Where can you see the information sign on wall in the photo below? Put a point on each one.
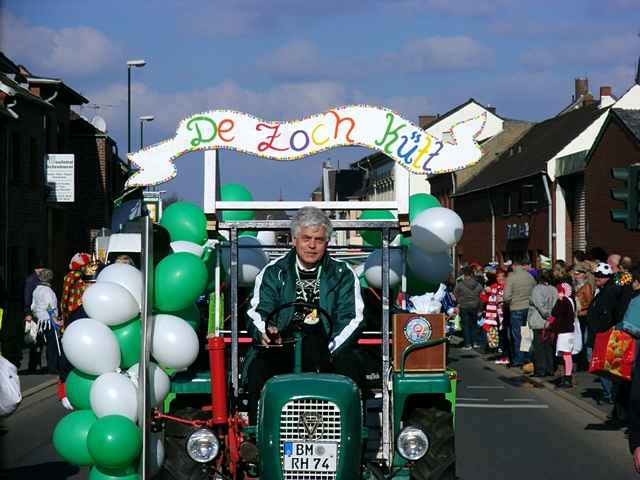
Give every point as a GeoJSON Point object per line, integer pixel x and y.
{"type": "Point", "coordinates": [60, 177]}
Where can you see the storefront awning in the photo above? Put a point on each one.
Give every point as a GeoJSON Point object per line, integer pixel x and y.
{"type": "Point", "coordinates": [572, 163]}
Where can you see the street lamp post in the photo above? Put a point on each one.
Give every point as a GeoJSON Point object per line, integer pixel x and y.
{"type": "Point", "coordinates": [144, 118]}
{"type": "Point", "coordinates": [130, 64]}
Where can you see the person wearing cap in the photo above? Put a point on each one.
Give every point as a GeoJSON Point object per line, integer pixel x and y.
{"type": "Point", "coordinates": [516, 294]}
{"type": "Point", "coordinates": [583, 296]}
{"type": "Point", "coordinates": [73, 285]}
{"type": "Point", "coordinates": [606, 310]}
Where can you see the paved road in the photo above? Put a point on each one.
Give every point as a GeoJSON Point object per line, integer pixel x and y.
{"type": "Point", "coordinates": [505, 430]}
{"type": "Point", "coordinates": [510, 430]}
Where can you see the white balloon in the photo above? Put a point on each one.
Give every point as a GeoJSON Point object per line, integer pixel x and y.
{"type": "Point", "coordinates": [158, 380]}
{"type": "Point", "coordinates": [91, 347]}
{"type": "Point", "coordinates": [175, 343]}
{"type": "Point", "coordinates": [114, 394]}
{"type": "Point", "coordinates": [126, 276]}
{"type": "Point", "coordinates": [267, 237]}
{"type": "Point", "coordinates": [109, 303]}
{"type": "Point", "coordinates": [250, 260]}
{"type": "Point", "coordinates": [373, 268]}
{"type": "Point", "coordinates": [436, 229]}
{"type": "Point", "coordinates": [189, 247]}
{"type": "Point", "coordinates": [431, 268]}
{"type": "Point", "coordinates": [156, 459]}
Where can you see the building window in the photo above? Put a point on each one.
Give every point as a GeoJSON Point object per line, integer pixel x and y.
{"type": "Point", "coordinates": [507, 204]}
{"type": "Point", "coordinates": [34, 162]}
{"type": "Point", "coordinates": [16, 158]}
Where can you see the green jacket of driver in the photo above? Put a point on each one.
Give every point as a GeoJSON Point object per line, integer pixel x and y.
{"type": "Point", "coordinates": [340, 296]}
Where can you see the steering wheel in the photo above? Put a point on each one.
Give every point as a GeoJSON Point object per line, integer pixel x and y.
{"type": "Point", "coordinates": [295, 325]}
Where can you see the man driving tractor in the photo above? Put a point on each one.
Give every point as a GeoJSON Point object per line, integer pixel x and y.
{"type": "Point", "coordinates": [327, 310]}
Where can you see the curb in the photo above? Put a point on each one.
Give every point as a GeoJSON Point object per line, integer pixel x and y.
{"type": "Point", "coordinates": [583, 405]}
{"type": "Point", "coordinates": [38, 388]}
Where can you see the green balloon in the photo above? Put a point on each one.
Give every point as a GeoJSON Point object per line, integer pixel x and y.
{"type": "Point", "coordinates": [70, 437]}
{"type": "Point", "coordinates": [185, 221]}
{"type": "Point", "coordinates": [373, 237]}
{"type": "Point", "coordinates": [179, 280]}
{"type": "Point", "coordinates": [128, 336]}
{"type": "Point", "coordinates": [234, 192]}
{"type": "Point", "coordinates": [98, 473]}
{"type": "Point", "coordinates": [78, 388]}
{"type": "Point", "coordinates": [419, 202]}
{"type": "Point", "coordinates": [114, 442]}
{"type": "Point", "coordinates": [248, 233]}
{"type": "Point", "coordinates": [191, 315]}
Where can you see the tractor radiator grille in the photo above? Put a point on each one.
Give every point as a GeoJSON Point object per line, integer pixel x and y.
{"type": "Point", "coordinates": [292, 429]}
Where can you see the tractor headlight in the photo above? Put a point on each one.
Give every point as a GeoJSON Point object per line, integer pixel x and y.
{"type": "Point", "coordinates": [202, 446]}
{"type": "Point", "coordinates": [412, 443]}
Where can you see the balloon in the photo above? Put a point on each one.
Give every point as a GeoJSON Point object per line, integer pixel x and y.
{"type": "Point", "coordinates": [432, 268]}
{"type": "Point", "coordinates": [78, 386]}
{"type": "Point", "coordinates": [156, 444]}
{"type": "Point", "coordinates": [159, 381]}
{"type": "Point", "coordinates": [436, 230]}
{"type": "Point", "coordinates": [267, 237]}
{"type": "Point", "coordinates": [114, 394]}
{"type": "Point", "coordinates": [97, 473]}
{"type": "Point", "coordinates": [250, 260]}
{"type": "Point", "coordinates": [128, 336]}
{"type": "Point", "coordinates": [114, 441]}
{"type": "Point", "coordinates": [191, 315]}
{"type": "Point", "coordinates": [126, 276]}
{"type": "Point", "coordinates": [185, 221]}
{"type": "Point", "coordinates": [70, 437]}
{"type": "Point", "coordinates": [374, 237]}
{"type": "Point", "coordinates": [179, 280]}
{"type": "Point", "coordinates": [416, 286]}
{"type": "Point", "coordinates": [109, 303]}
{"type": "Point", "coordinates": [175, 344]}
{"type": "Point", "coordinates": [91, 347]}
{"type": "Point", "coordinates": [373, 268]}
{"type": "Point", "coordinates": [419, 202]}
{"type": "Point", "coordinates": [234, 192]}
{"type": "Point", "coordinates": [188, 247]}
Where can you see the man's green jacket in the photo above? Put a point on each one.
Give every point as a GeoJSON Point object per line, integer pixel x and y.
{"type": "Point", "coordinates": [339, 295]}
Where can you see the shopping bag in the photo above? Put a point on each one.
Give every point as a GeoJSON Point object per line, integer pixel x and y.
{"type": "Point", "coordinates": [526, 338]}
{"type": "Point", "coordinates": [30, 332]}
{"type": "Point", "coordinates": [577, 343]}
{"type": "Point", "coordinates": [493, 338]}
{"type": "Point", "coordinates": [10, 394]}
{"type": "Point", "coordinates": [631, 321]}
{"type": "Point", "coordinates": [613, 354]}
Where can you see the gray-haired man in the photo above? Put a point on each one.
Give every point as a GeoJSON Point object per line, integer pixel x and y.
{"type": "Point", "coordinates": [305, 274]}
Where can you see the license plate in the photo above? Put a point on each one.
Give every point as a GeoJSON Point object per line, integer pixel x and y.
{"type": "Point", "coordinates": [310, 456]}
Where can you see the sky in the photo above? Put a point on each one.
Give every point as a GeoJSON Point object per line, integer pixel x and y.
{"type": "Point", "coordinates": [285, 59]}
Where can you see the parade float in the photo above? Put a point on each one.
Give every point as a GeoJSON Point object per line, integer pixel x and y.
{"type": "Point", "coordinates": [157, 386]}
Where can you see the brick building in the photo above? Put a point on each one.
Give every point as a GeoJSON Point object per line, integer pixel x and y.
{"type": "Point", "coordinates": [35, 121]}
{"type": "Point", "coordinates": [548, 193]}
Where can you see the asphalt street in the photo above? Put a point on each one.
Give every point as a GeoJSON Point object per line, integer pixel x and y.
{"type": "Point", "coordinates": [506, 429]}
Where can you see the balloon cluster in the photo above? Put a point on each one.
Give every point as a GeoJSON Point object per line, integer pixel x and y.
{"type": "Point", "coordinates": [104, 350]}
{"type": "Point", "coordinates": [434, 230]}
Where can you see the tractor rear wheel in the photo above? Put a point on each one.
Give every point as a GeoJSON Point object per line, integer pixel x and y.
{"type": "Point", "coordinates": [440, 461]}
{"type": "Point", "coordinates": [177, 464]}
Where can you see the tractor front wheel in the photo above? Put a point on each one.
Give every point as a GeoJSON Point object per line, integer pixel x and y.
{"type": "Point", "coordinates": [440, 461]}
{"type": "Point", "coordinates": [177, 464]}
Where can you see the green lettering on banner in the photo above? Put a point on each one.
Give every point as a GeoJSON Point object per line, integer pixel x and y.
{"type": "Point", "coordinates": [199, 138]}
{"type": "Point", "coordinates": [389, 133]}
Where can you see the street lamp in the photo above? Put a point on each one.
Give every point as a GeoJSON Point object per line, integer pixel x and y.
{"type": "Point", "coordinates": [144, 118]}
{"type": "Point", "coordinates": [131, 64]}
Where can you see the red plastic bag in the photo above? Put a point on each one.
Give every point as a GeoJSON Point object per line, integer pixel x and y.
{"type": "Point", "coordinates": [613, 354]}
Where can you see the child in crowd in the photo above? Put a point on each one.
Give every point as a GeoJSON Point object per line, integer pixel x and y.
{"type": "Point", "coordinates": [563, 324]}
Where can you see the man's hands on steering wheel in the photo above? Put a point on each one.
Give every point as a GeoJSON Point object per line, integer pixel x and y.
{"type": "Point", "coordinates": [273, 337]}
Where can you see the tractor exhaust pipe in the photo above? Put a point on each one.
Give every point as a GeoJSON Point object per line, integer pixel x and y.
{"type": "Point", "coordinates": [215, 345]}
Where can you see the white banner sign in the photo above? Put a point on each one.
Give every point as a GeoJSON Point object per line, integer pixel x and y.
{"type": "Point", "coordinates": [60, 177]}
{"type": "Point", "coordinates": [357, 125]}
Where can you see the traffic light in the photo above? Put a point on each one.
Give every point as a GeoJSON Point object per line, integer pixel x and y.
{"type": "Point", "coordinates": [628, 194]}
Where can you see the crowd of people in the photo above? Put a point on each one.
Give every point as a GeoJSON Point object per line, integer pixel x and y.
{"type": "Point", "coordinates": [548, 319]}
